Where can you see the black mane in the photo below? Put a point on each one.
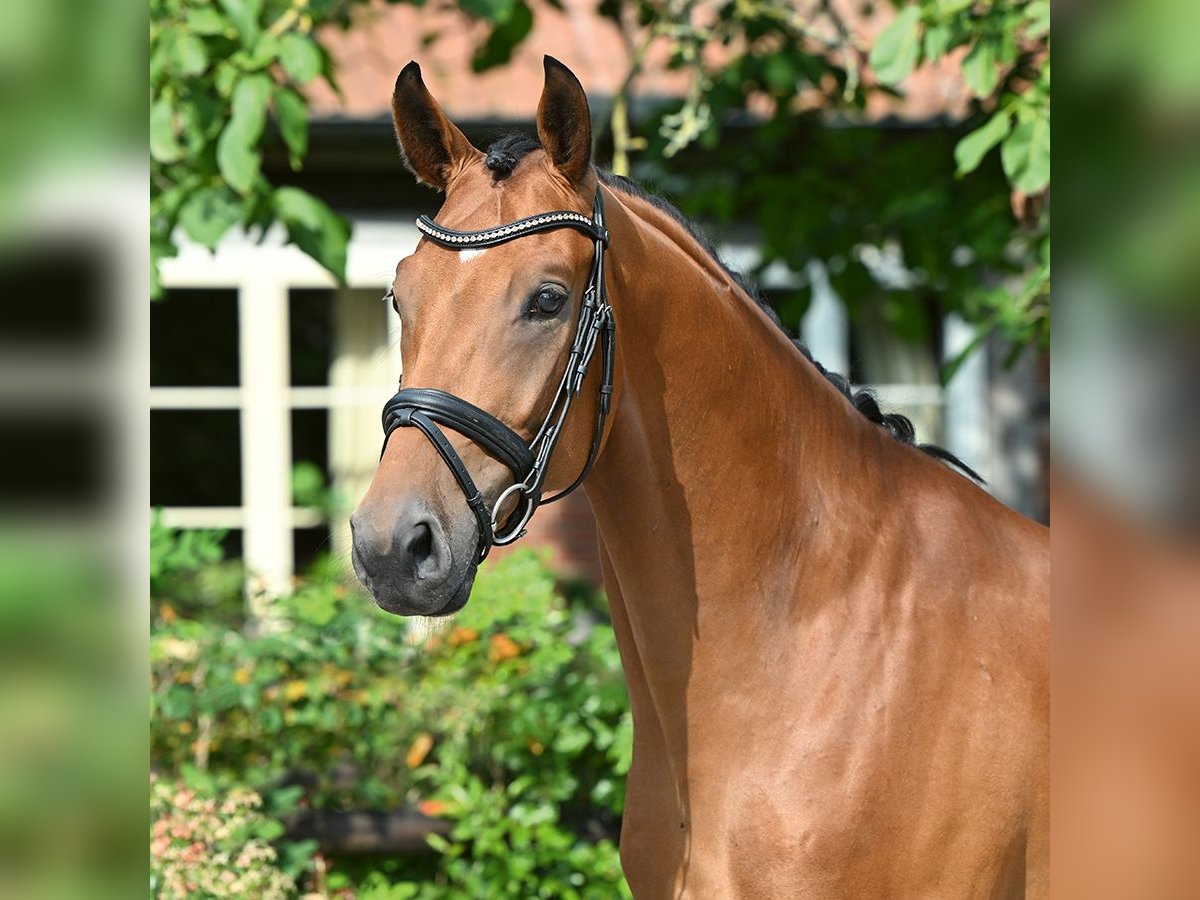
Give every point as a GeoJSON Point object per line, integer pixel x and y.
{"type": "Point", "coordinates": [504, 153]}
{"type": "Point", "coordinates": [503, 156]}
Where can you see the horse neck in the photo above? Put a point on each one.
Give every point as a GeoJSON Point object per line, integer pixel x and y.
{"type": "Point", "coordinates": [726, 451]}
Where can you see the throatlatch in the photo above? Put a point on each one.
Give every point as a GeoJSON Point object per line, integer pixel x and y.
{"type": "Point", "coordinates": [426, 409]}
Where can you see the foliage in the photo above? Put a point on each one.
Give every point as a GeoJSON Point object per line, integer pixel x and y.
{"type": "Point", "coordinates": [967, 217]}
{"type": "Point", "coordinates": [218, 72]}
{"type": "Point", "coordinates": [311, 489]}
{"type": "Point", "coordinates": [511, 721]}
{"type": "Point", "coordinates": [1007, 71]}
{"type": "Point", "coordinates": [188, 575]}
{"type": "Point", "coordinates": [173, 550]}
{"type": "Point", "coordinates": [930, 200]}
{"type": "Point", "coordinates": [212, 846]}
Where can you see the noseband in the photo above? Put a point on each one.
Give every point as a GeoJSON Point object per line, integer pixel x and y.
{"type": "Point", "coordinates": [426, 409]}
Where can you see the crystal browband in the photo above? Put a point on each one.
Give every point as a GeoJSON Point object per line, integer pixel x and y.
{"type": "Point", "coordinates": [492, 236]}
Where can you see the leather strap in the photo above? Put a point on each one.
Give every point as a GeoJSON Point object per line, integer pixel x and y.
{"type": "Point", "coordinates": [605, 400]}
{"type": "Point", "coordinates": [410, 416]}
{"type": "Point", "coordinates": [500, 441]}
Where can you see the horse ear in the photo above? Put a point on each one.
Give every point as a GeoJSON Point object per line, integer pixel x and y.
{"type": "Point", "coordinates": [564, 122]}
{"type": "Point", "coordinates": [430, 144]}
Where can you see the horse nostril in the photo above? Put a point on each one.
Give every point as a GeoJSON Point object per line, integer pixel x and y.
{"type": "Point", "coordinates": [420, 545]}
{"type": "Point", "coordinates": [425, 550]}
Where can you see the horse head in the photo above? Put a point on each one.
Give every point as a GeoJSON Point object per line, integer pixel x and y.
{"type": "Point", "coordinates": [501, 305]}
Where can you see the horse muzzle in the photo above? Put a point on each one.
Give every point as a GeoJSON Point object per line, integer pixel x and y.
{"type": "Point", "coordinates": [407, 560]}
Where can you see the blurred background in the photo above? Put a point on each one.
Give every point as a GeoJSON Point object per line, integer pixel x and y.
{"type": "Point", "coordinates": [882, 170]}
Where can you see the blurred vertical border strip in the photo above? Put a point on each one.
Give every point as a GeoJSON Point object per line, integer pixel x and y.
{"type": "Point", "coordinates": [74, 427]}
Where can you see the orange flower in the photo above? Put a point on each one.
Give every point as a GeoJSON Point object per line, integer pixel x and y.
{"type": "Point", "coordinates": [462, 635]}
{"type": "Point", "coordinates": [503, 647]}
{"type": "Point", "coordinates": [419, 750]}
{"type": "Point", "coordinates": [431, 807]}
{"type": "Point", "coordinates": [167, 613]}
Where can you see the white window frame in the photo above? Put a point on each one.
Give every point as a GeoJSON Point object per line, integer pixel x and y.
{"type": "Point", "coordinates": [263, 273]}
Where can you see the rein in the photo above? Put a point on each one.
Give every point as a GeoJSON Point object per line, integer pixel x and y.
{"type": "Point", "coordinates": [426, 409]}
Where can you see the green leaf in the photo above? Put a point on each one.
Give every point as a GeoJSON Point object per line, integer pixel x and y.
{"type": "Point", "coordinates": [779, 73]}
{"type": "Point", "coordinates": [237, 148]}
{"type": "Point", "coordinates": [980, 69]}
{"type": "Point", "coordinates": [206, 20]}
{"type": "Point", "coordinates": [244, 16]}
{"type": "Point", "coordinates": [300, 57]}
{"type": "Point", "coordinates": [937, 41]}
{"type": "Point", "coordinates": [190, 57]}
{"type": "Point", "coordinates": [315, 607]}
{"type": "Point", "coordinates": [225, 77]}
{"type": "Point", "coordinates": [314, 228]}
{"type": "Point", "coordinates": [947, 9]}
{"type": "Point", "coordinates": [895, 52]}
{"type": "Point", "coordinates": [264, 53]}
{"type": "Point", "coordinates": [1037, 14]}
{"type": "Point", "coordinates": [292, 114]}
{"type": "Point", "coordinates": [498, 48]}
{"type": "Point", "coordinates": [308, 484]}
{"type": "Point", "coordinates": [971, 150]}
{"type": "Point", "coordinates": [1026, 156]}
{"type": "Point", "coordinates": [249, 103]}
{"type": "Point", "coordinates": [492, 10]}
{"type": "Point", "coordinates": [239, 162]}
{"type": "Point", "coordinates": [209, 213]}
{"type": "Point", "coordinates": [164, 146]}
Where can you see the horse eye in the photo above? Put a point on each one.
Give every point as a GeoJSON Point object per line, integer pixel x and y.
{"type": "Point", "coordinates": [548, 301]}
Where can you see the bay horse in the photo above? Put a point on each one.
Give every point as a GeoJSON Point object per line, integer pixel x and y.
{"type": "Point", "coordinates": [837, 649]}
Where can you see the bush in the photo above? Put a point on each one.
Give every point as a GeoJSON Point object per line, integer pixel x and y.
{"type": "Point", "coordinates": [212, 846]}
{"type": "Point", "coordinates": [188, 574]}
{"type": "Point", "coordinates": [511, 721]}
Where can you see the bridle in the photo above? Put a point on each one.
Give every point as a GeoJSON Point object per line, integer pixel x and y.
{"type": "Point", "coordinates": [427, 408]}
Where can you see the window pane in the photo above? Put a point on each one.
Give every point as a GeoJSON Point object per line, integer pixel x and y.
{"type": "Point", "coordinates": [195, 458]}
{"type": "Point", "coordinates": [309, 544]}
{"type": "Point", "coordinates": [194, 339]}
{"type": "Point", "coordinates": [310, 322]}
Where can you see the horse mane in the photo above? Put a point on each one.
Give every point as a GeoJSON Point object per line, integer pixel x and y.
{"type": "Point", "coordinates": [502, 158]}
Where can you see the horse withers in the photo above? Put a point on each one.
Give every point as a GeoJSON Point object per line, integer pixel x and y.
{"type": "Point", "coordinates": [837, 648]}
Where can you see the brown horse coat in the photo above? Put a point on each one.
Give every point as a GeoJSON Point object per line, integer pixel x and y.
{"type": "Point", "coordinates": [837, 649]}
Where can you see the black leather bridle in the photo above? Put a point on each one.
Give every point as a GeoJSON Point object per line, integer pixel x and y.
{"type": "Point", "coordinates": [427, 408]}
